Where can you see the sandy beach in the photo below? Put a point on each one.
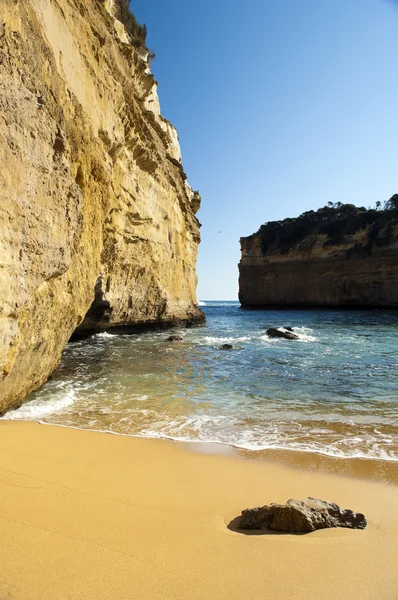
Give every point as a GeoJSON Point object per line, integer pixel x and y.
{"type": "Point", "coordinates": [97, 516]}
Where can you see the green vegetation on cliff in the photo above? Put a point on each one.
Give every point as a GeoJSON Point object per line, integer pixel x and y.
{"type": "Point", "coordinates": [338, 222]}
{"type": "Point", "coordinates": [136, 32]}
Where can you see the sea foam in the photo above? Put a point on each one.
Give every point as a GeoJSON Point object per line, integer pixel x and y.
{"type": "Point", "coordinates": [36, 409]}
{"type": "Point", "coordinates": [313, 396]}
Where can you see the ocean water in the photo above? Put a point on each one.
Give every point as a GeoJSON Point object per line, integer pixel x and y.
{"type": "Point", "coordinates": [333, 391]}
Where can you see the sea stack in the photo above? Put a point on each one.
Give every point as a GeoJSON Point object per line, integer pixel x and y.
{"type": "Point", "coordinates": [338, 256]}
{"type": "Point", "coordinates": [97, 220]}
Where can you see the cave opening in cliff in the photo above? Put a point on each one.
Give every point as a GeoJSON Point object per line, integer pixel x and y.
{"type": "Point", "coordinates": [98, 315]}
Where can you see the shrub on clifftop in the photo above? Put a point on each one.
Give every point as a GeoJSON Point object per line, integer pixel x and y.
{"type": "Point", "coordinates": [136, 32]}
{"type": "Point", "coordinates": [336, 221]}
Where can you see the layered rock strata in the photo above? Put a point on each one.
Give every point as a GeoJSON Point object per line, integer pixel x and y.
{"type": "Point", "coordinates": [316, 270]}
{"type": "Point", "coordinates": [97, 221]}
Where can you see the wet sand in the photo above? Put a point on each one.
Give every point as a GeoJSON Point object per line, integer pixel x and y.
{"type": "Point", "coordinates": [89, 515]}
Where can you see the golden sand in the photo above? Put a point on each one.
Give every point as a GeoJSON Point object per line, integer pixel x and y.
{"type": "Point", "coordinates": [93, 516]}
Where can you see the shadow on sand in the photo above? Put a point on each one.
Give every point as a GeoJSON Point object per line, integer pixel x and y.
{"type": "Point", "coordinates": [234, 526]}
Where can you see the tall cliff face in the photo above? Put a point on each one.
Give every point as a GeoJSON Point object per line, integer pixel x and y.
{"type": "Point", "coordinates": [343, 257]}
{"type": "Point", "coordinates": [97, 221]}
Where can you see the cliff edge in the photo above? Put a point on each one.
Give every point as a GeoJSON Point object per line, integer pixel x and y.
{"type": "Point", "coordinates": [97, 220]}
{"type": "Point", "coordinates": [338, 256]}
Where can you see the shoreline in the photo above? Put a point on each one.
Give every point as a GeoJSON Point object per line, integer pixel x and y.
{"type": "Point", "coordinates": [370, 468]}
{"type": "Point", "coordinates": [110, 516]}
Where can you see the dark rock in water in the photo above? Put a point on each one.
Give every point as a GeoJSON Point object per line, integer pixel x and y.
{"type": "Point", "coordinates": [227, 347]}
{"type": "Point", "coordinates": [174, 338]}
{"type": "Point", "coordinates": [286, 334]}
{"type": "Point", "coordinates": [300, 516]}
{"type": "Point", "coordinates": [288, 328]}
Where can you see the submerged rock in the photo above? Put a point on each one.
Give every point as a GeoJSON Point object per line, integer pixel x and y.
{"type": "Point", "coordinates": [174, 338]}
{"type": "Point", "coordinates": [286, 333]}
{"type": "Point", "coordinates": [227, 347]}
{"type": "Point", "coordinates": [301, 516]}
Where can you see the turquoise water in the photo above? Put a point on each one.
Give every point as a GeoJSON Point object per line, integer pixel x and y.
{"type": "Point", "coordinates": [333, 391]}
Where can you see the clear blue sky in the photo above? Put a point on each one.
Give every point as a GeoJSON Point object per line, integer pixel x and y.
{"type": "Point", "coordinates": [281, 106]}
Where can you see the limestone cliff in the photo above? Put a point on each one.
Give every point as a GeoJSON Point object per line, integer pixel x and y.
{"type": "Point", "coordinates": [97, 220]}
{"type": "Point", "coordinates": [339, 256]}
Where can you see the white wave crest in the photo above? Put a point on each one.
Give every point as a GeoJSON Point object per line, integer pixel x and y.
{"type": "Point", "coordinates": [201, 303]}
{"type": "Point", "coordinates": [303, 334]}
{"type": "Point", "coordinates": [104, 334]}
{"type": "Point", "coordinates": [211, 430]}
{"type": "Point", "coordinates": [223, 340]}
{"type": "Point", "coordinates": [36, 409]}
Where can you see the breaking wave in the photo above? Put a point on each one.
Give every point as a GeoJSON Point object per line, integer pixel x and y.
{"type": "Point", "coordinates": [37, 409]}
{"type": "Point", "coordinates": [333, 391]}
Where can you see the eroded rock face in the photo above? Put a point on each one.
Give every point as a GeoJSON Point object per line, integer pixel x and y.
{"type": "Point", "coordinates": [97, 221]}
{"type": "Point", "coordinates": [300, 516]}
{"type": "Point", "coordinates": [313, 273]}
